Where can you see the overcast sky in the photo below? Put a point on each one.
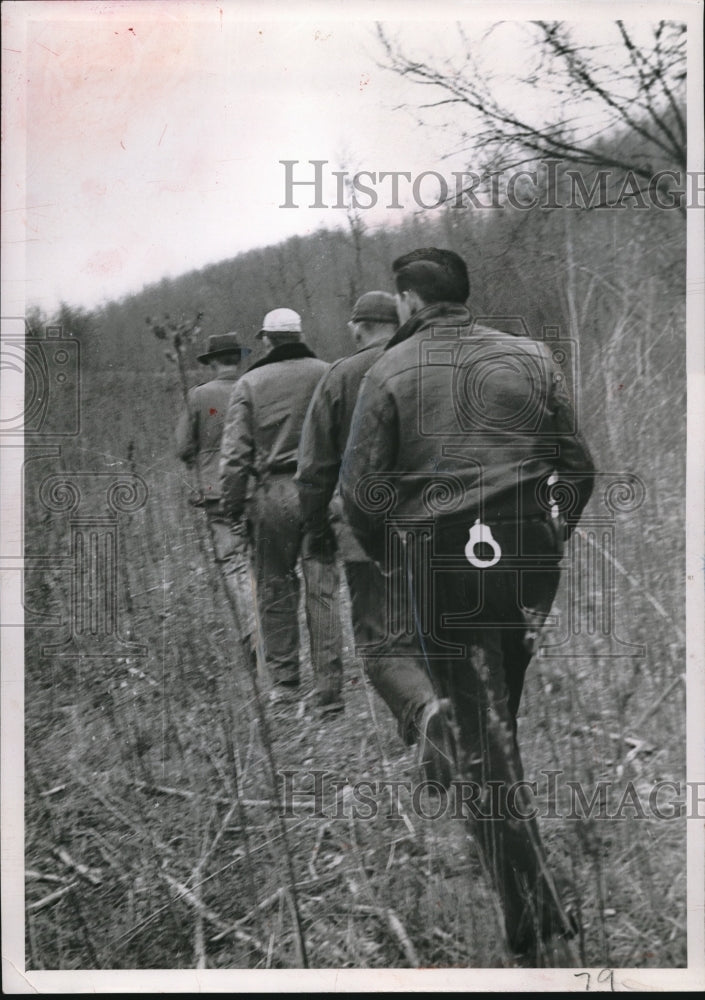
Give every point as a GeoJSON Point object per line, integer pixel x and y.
{"type": "Point", "coordinates": [155, 129]}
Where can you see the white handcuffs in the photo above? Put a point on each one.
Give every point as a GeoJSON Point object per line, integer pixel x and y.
{"type": "Point", "coordinates": [481, 533]}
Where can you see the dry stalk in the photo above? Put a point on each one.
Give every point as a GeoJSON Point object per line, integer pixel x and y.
{"type": "Point", "coordinates": [635, 583]}
{"type": "Point", "coordinates": [51, 898]}
{"type": "Point", "coordinates": [385, 913]}
{"type": "Point", "coordinates": [92, 875]}
{"type": "Point", "coordinates": [180, 334]}
{"type": "Point", "coordinates": [183, 793]}
{"type": "Point", "coordinates": [53, 791]}
{"type": "Point", "coordinates": [32, 875]}
{"type": "Point", "coordinates": [680, 679]}
{"type": "Point", "coordinates": [316, 848]}
{"type": "Point", "coordinates": [188, 896]}
{"type": "Point", "coordinates": [263, 905]}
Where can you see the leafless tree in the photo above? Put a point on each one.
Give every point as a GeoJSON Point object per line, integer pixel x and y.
{"type": "Point", "coordinates": [633, 90]}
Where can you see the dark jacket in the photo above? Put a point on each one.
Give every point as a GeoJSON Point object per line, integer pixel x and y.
{"type": "Point", "coordinates": [264, 421]}
{"type": "Point", "coordinates": [323, 440]}
{"type": "Point", "coordinates": [459, 421]}
{"type": "Point", "coordinates": [200, 428]}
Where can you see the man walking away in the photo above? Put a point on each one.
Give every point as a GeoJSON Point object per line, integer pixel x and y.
{"type": "Point", "coordinates": [467, 428]}
{"type": "Point", "coordinates": [372, 324]}
{"type": "Point", "coordinates": [198, 436]}
{"type": "Point", "coordinates": [258, 462]}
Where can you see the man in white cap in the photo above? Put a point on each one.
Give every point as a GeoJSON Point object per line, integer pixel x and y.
{"type": "Point", "coordinates": [198, 435]}
{"type": "Point", "coordinates": [257, 466]}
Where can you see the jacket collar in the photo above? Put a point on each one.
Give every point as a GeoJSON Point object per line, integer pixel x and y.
{"type": "Point", "coordinates": [437, 314]}
{"type": "Point", "coordinates": [284, 352]}
{"type": "Point", "coordinates": [370, 347]}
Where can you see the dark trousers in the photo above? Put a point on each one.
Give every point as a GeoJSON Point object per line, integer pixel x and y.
{"type": "Point", "coordinates": [393, 662]}
{"type": "Point", "coordinates": [480, 627]}
{"type": "Point", "coordinates": [277, 537]}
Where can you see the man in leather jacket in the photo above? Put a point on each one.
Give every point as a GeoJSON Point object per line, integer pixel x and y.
{"type": "Point", "coordinates": [462, 440]}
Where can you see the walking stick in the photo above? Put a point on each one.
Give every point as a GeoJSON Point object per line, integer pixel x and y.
{"type": "Point", "coordinates": [180, 334]}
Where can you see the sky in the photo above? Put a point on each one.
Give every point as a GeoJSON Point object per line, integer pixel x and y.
{"type": "Point", "coordinates": [155, 130]}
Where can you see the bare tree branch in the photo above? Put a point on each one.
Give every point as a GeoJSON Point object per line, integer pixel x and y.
{"type": "Point", "coordinates": [639, 98]}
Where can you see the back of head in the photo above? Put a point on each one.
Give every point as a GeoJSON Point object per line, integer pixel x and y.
{"type": "Point", "coordinates": [435, 275]}
{"type": "Point", "coordinates": [375, 307]}
{"type": "Point", "coordinates": [228, 359]}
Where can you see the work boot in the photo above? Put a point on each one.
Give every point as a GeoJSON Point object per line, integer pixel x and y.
{"type": "Point", "coordinates": [251, 654]}
{"type": "Point", "coordinates": [436, 753]}
{"type": "Point", "coordinates": [550, 946]}
{"type": "Point", "coordinates": [285, 692]}
{"type": "Point", "coordinates": [329, 704]}
{"type": "Point", "coordinates": [553, 953]}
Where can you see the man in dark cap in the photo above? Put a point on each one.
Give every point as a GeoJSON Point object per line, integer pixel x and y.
{"type": "Point", "coordinates": [198, 436]}
{"type": "Point", "coordinates": [372, 323]}
{"type": "Point", "coordinates": [462, 440]}
{"type": "Point", "coordinates": [257, 466]}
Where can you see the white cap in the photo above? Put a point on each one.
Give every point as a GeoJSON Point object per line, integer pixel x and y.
{"type": "Point", "coordinates": [281, 321]}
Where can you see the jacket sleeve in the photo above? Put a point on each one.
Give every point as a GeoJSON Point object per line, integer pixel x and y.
{"type": "Point", "coordinates": [319, 456]}
{"type": "Point", "coordinates": [370, 456]}
{"type": "Point", "coordinates": [187, 431]}
{"type": "Point", "coordinates": [574, 465]}
{"type": "Point", "coordinates": [237, 453]}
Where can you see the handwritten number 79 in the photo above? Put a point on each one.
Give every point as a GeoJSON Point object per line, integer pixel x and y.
{"type": "Point", "coordinates": [604, 976]}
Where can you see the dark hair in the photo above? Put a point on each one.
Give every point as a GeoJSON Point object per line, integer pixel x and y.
{"type": "Point", "coordinates": [435, 275]}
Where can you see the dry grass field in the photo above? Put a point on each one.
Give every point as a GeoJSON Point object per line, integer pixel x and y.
{"type": "Point", "coordinates": [157, 827]}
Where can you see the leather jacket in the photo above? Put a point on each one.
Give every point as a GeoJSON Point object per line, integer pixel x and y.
{"type": "Point", "coordinates": [459, 421]}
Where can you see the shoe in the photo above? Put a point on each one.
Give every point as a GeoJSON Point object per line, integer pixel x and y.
{"type": "Point", "coordinates": [329, 703]}
{"type": "Point", "coordinates": [559, 953]}
{"type": "Point", "coordinates": [284, 694]}
{"type": "Point", "coordinates": [251, 659]}
{"type": "Point", "coordinates": [547, 947]}
{"type": "Point", "coordinates": [552, 953]}
{"type": "Point", "coordinates": [436, 754]}
{"type": "Point", "coordinates": [332, 708]}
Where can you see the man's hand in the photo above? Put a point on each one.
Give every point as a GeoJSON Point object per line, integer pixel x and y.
{"type": "Point", "coordinates": [319, 543]}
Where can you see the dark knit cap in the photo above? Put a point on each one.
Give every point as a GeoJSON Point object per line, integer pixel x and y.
{"type": "Point", "coordinates": [375, 307]}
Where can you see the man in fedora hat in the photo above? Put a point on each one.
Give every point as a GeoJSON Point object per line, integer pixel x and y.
{"type": "Point", "coordinates": [258, 462]}
{"type": "Point", "coordinates": [198, 434]}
